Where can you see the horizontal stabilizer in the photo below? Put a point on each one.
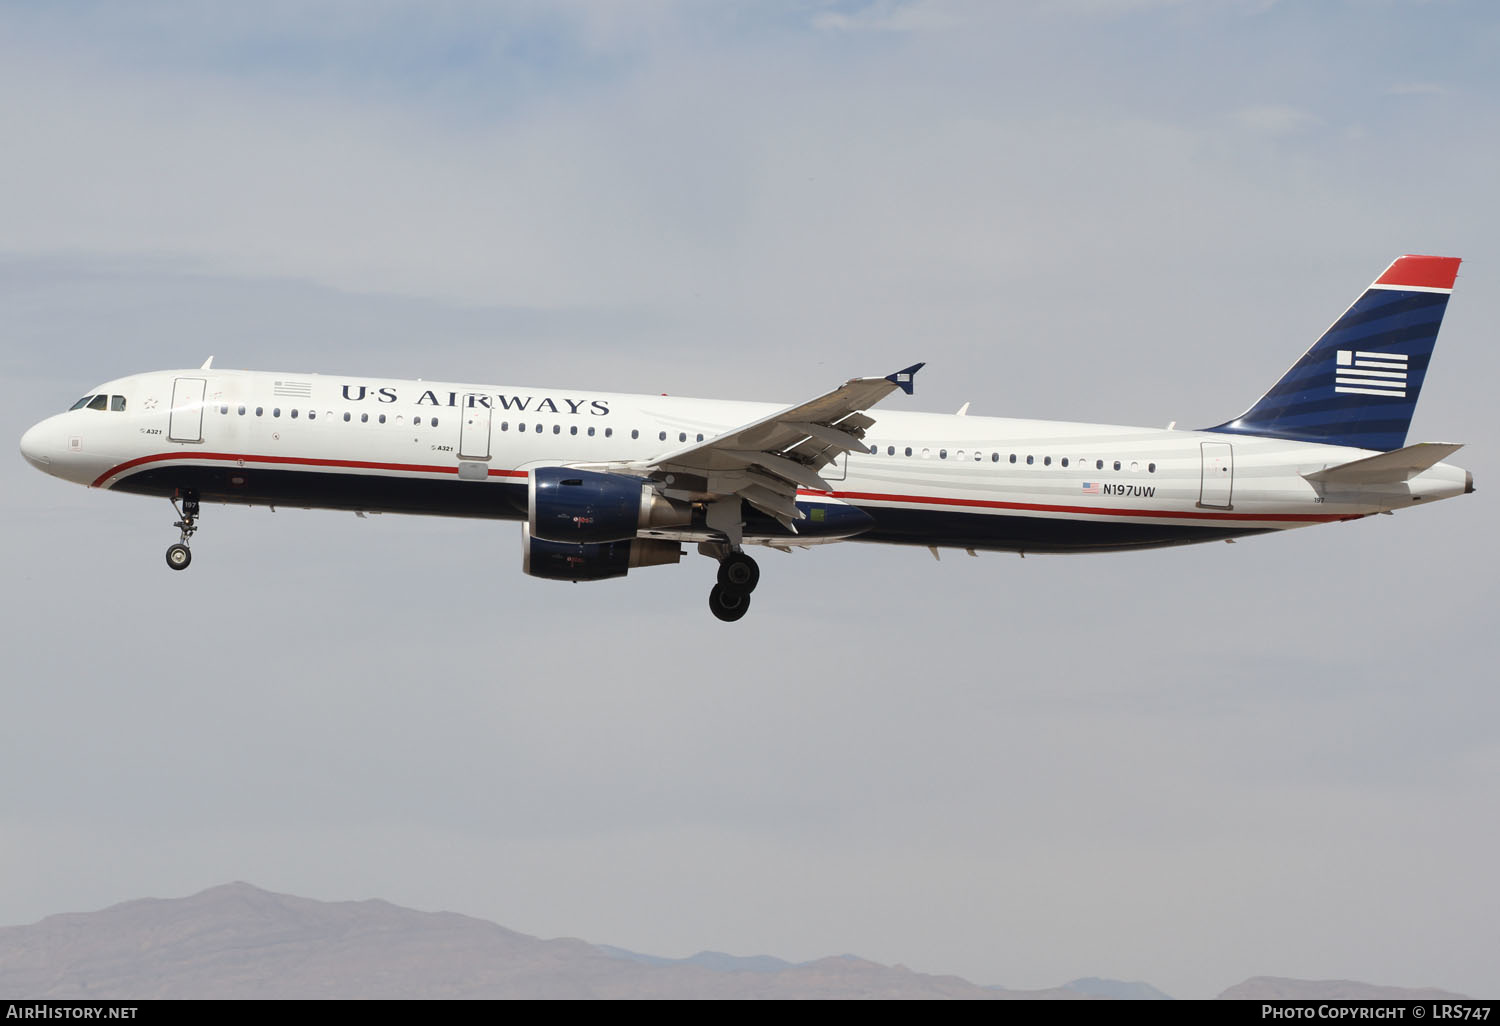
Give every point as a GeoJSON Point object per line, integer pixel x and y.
{"type": "Point", "coordinates": [1389, 467]}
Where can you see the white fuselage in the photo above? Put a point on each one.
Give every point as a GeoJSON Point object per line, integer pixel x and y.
{"type": "Point", "coordinates": [463, 449]}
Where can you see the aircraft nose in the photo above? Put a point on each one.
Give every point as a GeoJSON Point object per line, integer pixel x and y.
{"type": "Point", "coordinates": [34, 447]}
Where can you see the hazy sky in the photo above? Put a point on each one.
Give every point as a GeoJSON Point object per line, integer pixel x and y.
{"type": "Point", "coordinates": [1186, 766]}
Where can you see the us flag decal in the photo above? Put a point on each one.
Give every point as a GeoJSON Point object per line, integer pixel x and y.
{"type": "Point", "coordinates": [1370, 373]}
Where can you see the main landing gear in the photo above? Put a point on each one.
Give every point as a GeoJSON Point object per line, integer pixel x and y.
{"type": "Point", "coordinates": [738, 576]}
{"type": "Point", "coordinates": [179, 555]}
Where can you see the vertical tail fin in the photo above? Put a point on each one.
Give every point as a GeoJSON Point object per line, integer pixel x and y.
{"type": "Point", "coordinates": [1358, 385]}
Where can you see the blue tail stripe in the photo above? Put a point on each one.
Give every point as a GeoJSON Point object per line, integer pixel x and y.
{"type": "Point", "coordinates": [1306, 405]}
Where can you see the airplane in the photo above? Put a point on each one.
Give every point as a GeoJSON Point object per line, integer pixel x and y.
{"type": "Point", "coordinates": [604, 483]}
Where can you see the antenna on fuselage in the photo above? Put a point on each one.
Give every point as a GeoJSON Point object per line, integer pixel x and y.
{"type": "Point", "coordinates": [207, 364]}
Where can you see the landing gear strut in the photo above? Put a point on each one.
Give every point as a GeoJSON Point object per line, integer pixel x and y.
{"type": "Point", "coordinates": [738, 576]}
{"type": "Point", "coordinates": [179, 555]}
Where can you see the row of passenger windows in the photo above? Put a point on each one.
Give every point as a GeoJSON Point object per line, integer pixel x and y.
{"type": "Point", "coordinates": [364, 418]}
{"type": "Point", "coordinates": [682, 436]}
{"type": "Point", "coordinates": [557, 429]}
{"type": "Point", "coordinates": [113, 403]}
{"type": "Point", "coordinates": [97, 403]}
{"type": "Point", "coordinates": [978, 457]}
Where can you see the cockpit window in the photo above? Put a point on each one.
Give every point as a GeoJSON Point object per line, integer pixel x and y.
{"type": "Point", "coordinates": [117, 403]}
{"type": "Point", "coordinates": [99, 402]}
{"type": "Point", "coordinates": [80, 404]}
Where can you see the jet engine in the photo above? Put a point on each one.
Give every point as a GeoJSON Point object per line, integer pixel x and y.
{"type": "Point", "coordinates": [582, 507]}
{"type": "Point", "coordinates": [599, 561]}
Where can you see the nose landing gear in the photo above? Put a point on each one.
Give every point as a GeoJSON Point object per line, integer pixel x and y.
{"type": "Point", "coordinates": [738, 576]}
{"type": "Point", "coordinates": [179, 555]}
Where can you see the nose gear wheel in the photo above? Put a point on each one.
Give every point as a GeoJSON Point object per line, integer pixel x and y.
{"type": "Point", "coordinates": [179, 556]}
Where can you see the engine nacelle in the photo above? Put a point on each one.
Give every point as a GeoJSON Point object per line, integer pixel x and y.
{"type": "Point", "coordinates": [584, 507]}
{"type": "Point", "coordinates": [566, 561]}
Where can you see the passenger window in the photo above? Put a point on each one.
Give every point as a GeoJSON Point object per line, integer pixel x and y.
{"type": "Point", "coordinates": [346, 417]}
{"type": "Point", "coordinates": [700, 436]}
{"type": "Point", "coordinates": [312, 414]}
{"type": "Point", "coordinates": [1151, 468]}
{"type": "Point", "coordinates": [276, 411]}
{"type": "Point", "coordinates": [609, 432]}
{"type": "Point", "coordinates": [1117, 464]}
{"type": "Point", "coordinates": [927, 454]}
{"type": "Point", "coordinates": [1098, 464]}
{"type": "Point", "coordinates": [663, 436]}
{"type": "Point", "coordinates": [117, 404]}
{"type": "Point", "coordinates": [557, 429]}
{"type": "Point", "coordinates": [978, 455]}
{"type": "Point", "coordinates": [242, 411]}
{"type": "Point", "coordinates": [223, 410]}
{"type": "Point", "coordinates": [635, 433]}
{"type": "Point", "coordinates": [908, 450]}
{"type": "Point", "coordinates": [294, 414]}
{"type": "Point", "coordinates": [521, 428]}
{"type": "Point", "coordinates": [433, 422]}
{"type": "Point", "coordinates": [382, 418]}
{"type": "Point", "coordinates": [942, 454]}
{"type": "Point", "coordinates": [591, 432]}
{"type": "Point", "coordinates": [994, 457]}
{"type": "Point", "coordinates": [890, 450]}
{"type": "Point", "coordinates": [1030, 460]}
{"type": "Point", "coordinates": [1134, 467]}
{"type": "Point", "coordinates": [959, 455]}
{"type": "Point", "coordinates": [573, 430]}
{"type": "Point", "coordinates": [364, 418]}
{"type": "Point", "coordinates": [1046, 461]}
{"type": "Point", "coordinates": [1065, 461]}
{"type": "Point", "coordinates": [260, 411]}
{"type": "Point", "coordinates": [682, 437]}
{"type": "Point", "coordinates": [538, 429]}
{"type": "Point", "coordinates": [1013, 457]}
{"type": "Point", "coordinates": [874, 450]}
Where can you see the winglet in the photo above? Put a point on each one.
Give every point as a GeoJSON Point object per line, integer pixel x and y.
{"type": "Point", "coordinates": [902, 378]}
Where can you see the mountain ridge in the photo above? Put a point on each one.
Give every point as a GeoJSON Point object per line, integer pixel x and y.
{"type": "Point", "coordinates": [237, 941]}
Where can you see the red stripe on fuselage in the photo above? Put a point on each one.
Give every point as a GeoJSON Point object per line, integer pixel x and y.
{"type": "Point", "coordinates": [305, 461]}
{"type": "Point", "coordinates": [925, 500]}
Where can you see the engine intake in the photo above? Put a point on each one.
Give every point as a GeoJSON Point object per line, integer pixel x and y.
{"type": "Point", "coordinates": [584, 507]}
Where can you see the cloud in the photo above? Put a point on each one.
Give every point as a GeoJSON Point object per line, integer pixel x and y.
{"type": "Point", "coordinates": [1276, 120]}
{"type": "Point", "coordinates": [894, 16]}
{"type": "Point", "coordinates": [1417, 89]}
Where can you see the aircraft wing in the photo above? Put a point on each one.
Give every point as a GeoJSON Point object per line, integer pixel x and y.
{"type": "Point", "coordinates": [766, 461]}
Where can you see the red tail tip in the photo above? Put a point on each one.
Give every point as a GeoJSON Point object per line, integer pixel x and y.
{"type": "Point", "coordinates": [1422, 272]}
